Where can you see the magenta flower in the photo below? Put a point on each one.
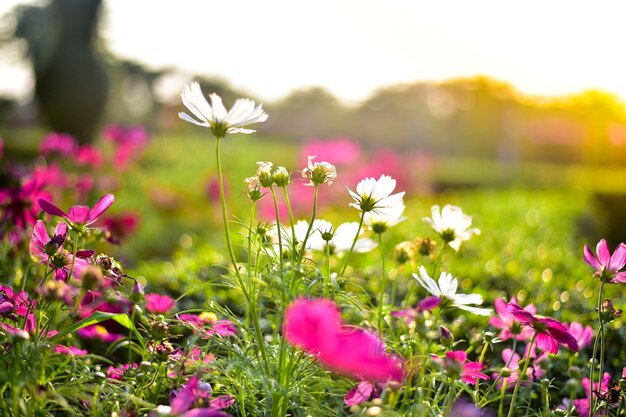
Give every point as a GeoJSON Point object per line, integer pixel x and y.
{"type": "Point", "coordinates": [117, 372]}
{"type": "Point", "coordinates": [14, 305]}
{"type": "Point", "coordinates": [159, 304]}
{"type": "Point", "coordinates": [61, 143]}
{"type": "Point", "coordinates": [209, 324]}
{"type": "Point", "coordinates": [69, 350]}
{"type": "Point", "coordinates": [19, 204]}
{"type": "Point", "coordinates": [49, 251]}
{"type": "Point", "coordinates": [456, 365]}
{"type": "Point", "coordinates": [129, 140]}
{"type": "Point", "coordinates": [509, 326]}
{"type": "Point", "coordinates": [549, 332]}
{"type": "Point", "coordinates": [79, 217]}
{"type": "Point", "coordinates": [316, 327]}
{"type": "Point", "coordinates": [583, 335]}
{"type": "Point", "coordinates": [363, 391]}
{"type": "Point", "coordinates": [582, 404]}
{"type": "Point", "coordinates": [608, 267]}
{"type": "Point", "coordinates": [511, 361]}
{"type": "Point", "coordinates": [89, 156]}
{"type": "Point", "coordinates": [426, 304]}
{"type": "Point", "coordinates": [96, 331]}
{"type": "Point", "coordinates": [194, 393]}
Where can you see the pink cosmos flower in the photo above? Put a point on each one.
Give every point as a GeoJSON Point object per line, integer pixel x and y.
{"type": "Point", "coordinates": [363, 391]}
{"type": "Point", "coordinates": [129, 140]}
{"type": "Point", "coordinates": [209, 324]}
{"type": "Point", "coordinates": [14, 305]}
{"type": "Point", "coordinates": [117, 372]}
{"type": "Point", "coordinates": [69, 350]}
{"type": "Point", "coordinates": [608, 267]}
{"type": "Point", "coordinates": [119, 227]}
{"type": "Point", "coordinates": [456, 365]}
{"type": "Point", "coordinates": [509, 326]}
{"type": "Point", "coordinates": [19, 203]}
{"type": "Point", "coordinates": [511, 361]}
{"type": "Point", "coordinates": [89, 156]}
{"type": "Point", "coordinates": [100, 332]}
{"type": "Point", "coordinates": [337, 151]}
{"type": "Point", "coordinates": [61, 143]}
{"type": "Point", "coordinates": [582, 404]}
{"type": "Point", "coordinates": [427, 304]}
{"type": "Point", "coordinates": [79, 217]}
{"type": "Point", "coordinates": [49, 251]}
{"type": "Point", "coordinates": [159, 304]}
{"type": "Point", "coordinates": [195, 392]}
{"type": "Point", "coordinates": [583, 335]}
{"type": "Point", "coordinates": [550, 332]}
{"type": "Point", "coordinates": [316, 327]}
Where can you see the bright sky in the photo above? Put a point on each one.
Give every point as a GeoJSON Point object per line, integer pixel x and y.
{"type": "Point", "coordinates": [352, 47]}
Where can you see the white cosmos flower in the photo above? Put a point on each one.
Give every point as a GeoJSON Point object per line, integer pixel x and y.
{"type": "Point", "coordinates": [446, 290]}
{"type": "Point", "coordinates": [215, 116]}
{"type": "Point", "coordinates": [375, 195]}
{"type": "Point", "coordinates": [379, 222]}
{"type": "Point", "coordinates": [344, 236]}
{"type": "Point", "coordinates": [452, 224]}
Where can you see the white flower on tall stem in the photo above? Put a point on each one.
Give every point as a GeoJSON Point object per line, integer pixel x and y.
{"type": "Point", "coordinates": [452, 225]}
{"type": "Point", "coordinates": [215, 116]}
{"type": "Point", "coordinates": [375, 196]}
{"type": "Point", "coordinates": [446, 290]}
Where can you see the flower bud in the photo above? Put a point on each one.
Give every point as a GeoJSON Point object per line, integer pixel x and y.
{"type": "Point", "coordinates": [608, 312]}
{"type": "Point", "coordinates": [138, 294]}
{"type": "Point", "coordinates": [281, 177]}
{"type": "Point", "coordinates": [425, 247]}
{"type": "Point", "coordinates": [403, 252]}
{"type": "Point", "coordinates": [264, 174]}
{"type": "Point", "coordinates": [319, 172]}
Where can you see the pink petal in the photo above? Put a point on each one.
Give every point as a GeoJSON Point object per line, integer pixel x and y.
{"type": "Point", "coordinates": [590, 258]}
{"type": "Point", "coordinates": [50, 208]}
{"type": "Point", "coordinates": [78, 214]}
{"type": "Point", "coordinates": [101, 206]}
{"type": "Point", "coordinates": [604, 255]}
{"type": "Point", "coordinates": [360, 393]}
{"type": "Point", "coordinates": [222, 401]}
{"type": "Point", "coordinates": [618, 259]}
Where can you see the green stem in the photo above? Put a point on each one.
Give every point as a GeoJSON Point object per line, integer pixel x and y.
{"type": "Point", "coordinates": [383, 281]}
{"type": "Point", "coordinates": [279, 230]}
{"type": "Point", "coordinates": [294, 241]}
{"type": "Point", "coordinates": [329, 282]}
{"type": "Point", "coordinates": [502, 395]}
{"type": "Point", "coordinates": [599, 340]}
{"type": "Point", "coordinates": [437, 260]}
{"type": "Point", "coordinates": [229, 245]}
{"type": "Point", "coordinates": [356, 237]}
{"type": "Point", "coordinates": [308, 232]}
{"type": "Point", "coordinates": [74, 250]}
{"type": "Point", "coordinates": [521, 376]}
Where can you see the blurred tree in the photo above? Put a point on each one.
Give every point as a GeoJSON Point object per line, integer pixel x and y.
{"type": "Point", "coordinates": [70, 83]}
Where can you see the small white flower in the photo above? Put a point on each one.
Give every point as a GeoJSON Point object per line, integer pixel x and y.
{"type": "Point", "coordinates": [215, 116]}
{"type": "Point", "coordinates": [452, 224]}
{"type": "Point", "coordinates": [344, 236]}
{"type": "Point", "coordinates": [446, 289]}
{"type": "Point", "coordinates": [319, 172]}
{"type": "Point", "coordinates": [379, 222]}
{"type": "Point", "coordinates": [375, 195]}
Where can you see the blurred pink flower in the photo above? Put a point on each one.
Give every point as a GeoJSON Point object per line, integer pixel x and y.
{"type": "Point", "coordinates": [608, 266]}
{"type": "Point", "coordinates": [20, 206]}
{"type": "Point", "coordinates": [195, 393]}
{"type": "Point", "coordinates": [338, 151]}
{"type": "Point", "coordinates": [117, 372]}
{"type": "Point", "coordinates": [509, 326]}
{"type": "Point", "coordinates": [361, 392]}
{"type": "Point", "coordinates": [466, 408]}
{"type": "Point", "coordinates": [61, 143]}
{"type": "Point", "coordinates": [426, 304]}
{"type": "Point", "coordinates": [582, 404]}
{"type": "Point", "coordinates": [17, 304]}
{"type": "Point", "coordinates": [69, 350]}
{"type": "Point", "coordinates": [119, 226]}
{"type": "Point", "coordinates": [89, 156]}
{"type": "Point", "coordinates": [159, 304]}
{"type": "Point", "coordinates": [316, 327]}
{"type": "Point", "coordinates": [511, 361]}
{"type": "Point", "coordinates": [129, 140]}
{"type": "Point", "coordinates": [456, 365]}
{"type": "Point", "coordinates": [582, 334]}
{"type": "Point", "coordinates": [79, 216]}
{"type": "Point", "coordinates": [97, 331]}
